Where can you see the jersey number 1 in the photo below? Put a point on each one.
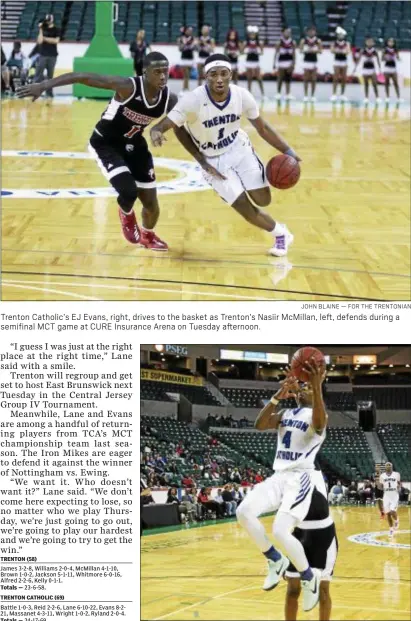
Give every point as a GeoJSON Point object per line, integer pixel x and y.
{"type": "Point", "coordinates": [287, 439]}
{"type": "Point", "coordinates": [134, 130]}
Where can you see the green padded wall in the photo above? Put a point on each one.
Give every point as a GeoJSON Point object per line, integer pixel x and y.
{"type": "Point", "coordinates": [103, 55]}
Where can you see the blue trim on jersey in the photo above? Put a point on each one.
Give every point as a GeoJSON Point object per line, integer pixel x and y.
{"type": "Point", "coordinates": [296, 411]}
{"type": "Point", "coordinates": [218, 105]}
{"type": "Point", "coordinates": [300, 500]}
{"type": "Point", "coordinates": [314, 447]}
{"type": "Point", "coordinates": [303, 490]}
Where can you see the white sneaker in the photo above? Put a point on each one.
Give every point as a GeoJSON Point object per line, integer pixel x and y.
{"type": "Point", "coordinates": [387, 100]}
{"type": "Point", "coordinates": [333, 98]}
{"type": "Point", "coordinates": [365, 101]}
{"type": "Point", "coordinates": [311, 590]}
{"type": "Point", "coordinates": [400, 100]}
{"type": "Point", "coordinates": [282, 242]}
{"type": "Point", "coordinates": [290, 97]}
{"type": "Point", "coordinates": [344, 98]}
{"type": "Point", "coordinates": [275, 572]}
{"type": "Point", "coordinates": [278, 96]}
{"type": "Point", "coordinates": [305, 99]}
{"type": "Point", "coordinates": [378, 100]}
{"type": "Point", "coordinates": [313, 99]}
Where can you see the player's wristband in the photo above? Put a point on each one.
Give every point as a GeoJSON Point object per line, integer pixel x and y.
{"type": "Point", "coordinates": [274, 401]}
{"type": "Point", "coordinates": [291, 152]}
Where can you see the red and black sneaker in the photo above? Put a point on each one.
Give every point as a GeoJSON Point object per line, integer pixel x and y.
{"type": "Point", "coordinates": [150, 240]}
{"type": "Point", "coordinates": [130, 227]}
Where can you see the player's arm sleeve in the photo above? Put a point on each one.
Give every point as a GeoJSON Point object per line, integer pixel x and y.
{"type": "Point", "coordinates": [185, 109]}
{"type": "Point", "coordinates": [250, 106]}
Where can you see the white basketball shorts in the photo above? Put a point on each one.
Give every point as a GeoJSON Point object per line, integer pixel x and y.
{"type": "Point", "coordinates": [243, 169]}
{"type": "Point", "coordinates": [390, 501]}
{"type": "Point", "coordinates": [289, 491]}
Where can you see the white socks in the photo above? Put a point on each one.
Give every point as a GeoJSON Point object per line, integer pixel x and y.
{"type": "Point", "coordinates": [279, 229]}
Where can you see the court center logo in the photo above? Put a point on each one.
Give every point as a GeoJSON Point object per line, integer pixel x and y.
{"type": "Point", "coordinates": [189, 178]}
{"type": "Point", "coordinates": [375, 539]}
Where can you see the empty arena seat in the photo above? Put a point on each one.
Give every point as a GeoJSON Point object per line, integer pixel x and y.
{"type": "Point", "coordinates": [396, 441]}
{"type": "Point", "coordinates": [157, 391]}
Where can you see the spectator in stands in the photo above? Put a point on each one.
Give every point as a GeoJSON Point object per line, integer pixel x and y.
{"type": "Point", "coordinates": [138, 49]}
{"type": "Point", "coordinates": [5, 73]}
{"type": "Point", "coordinates": [189, 504]}
{"type": "Point", "coordinates": [228, 497]}
{"type": "Point", "coordinates": [235, 476]}
{"type": "Point", "coordinates": [366, 492]}
{"type": "Point", "coordinates": [48, 38]}
{"type": "Point", "coordinates": [219, 498]}
{"type": "Point", "coordinates": [172, 498]}
{"type": "Point", "coordinates": [404, 494]}
{"type": "Point", "coordinates": [352, 491]}
{"type": "Point", "coordinates": [204, 498]}
{"type": "Point", "coordinates": [187, 481]}
{"type": "Point", "coordinates": [336, 494]}
{"type": "Point", "coordinates": [192, 497]}
{"type": "Point", "coordinates": [237, 494]}
{"type": "Point", "coordinates": [258, 477]}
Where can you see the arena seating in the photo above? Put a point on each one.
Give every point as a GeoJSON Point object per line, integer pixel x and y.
{"type": "Point", "coordinates": [386, 398]}
{"type": "Point", "coordinates": [162, 20]}
{"type": "Point", "coordinates": [347, 451]}
{"type": "Point", "coordinates": [157, 391]}
{"type": "Point", "coordinates": [251, 397]}
{"type": "Point", "coordinates": [164, 430]}
{"type": "Point", "coordinates": [396, 440]}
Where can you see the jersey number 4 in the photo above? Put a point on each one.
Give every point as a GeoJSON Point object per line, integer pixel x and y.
{"type": "Point", "coordinates": [287, 439]}
{"type": "Point", "coordinates": [136, 129]}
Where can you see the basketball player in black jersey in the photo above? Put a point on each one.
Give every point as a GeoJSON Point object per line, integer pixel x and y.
{"type": "Point", "coordinates": [117, 142]}
{"type": "Point", "coordinates": [318, 536]}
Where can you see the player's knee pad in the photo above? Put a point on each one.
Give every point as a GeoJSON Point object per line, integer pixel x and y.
{"type": "Point", "coordinates": [126, 187]}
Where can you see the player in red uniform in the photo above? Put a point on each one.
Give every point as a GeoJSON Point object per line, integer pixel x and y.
{"type": "Point", "coordinates": [117, 141]}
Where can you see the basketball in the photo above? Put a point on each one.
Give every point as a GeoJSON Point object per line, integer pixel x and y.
{"type": "Point", "coordinates": [302, 356]}
{"type": "Point", "coordinates": [283, 171]}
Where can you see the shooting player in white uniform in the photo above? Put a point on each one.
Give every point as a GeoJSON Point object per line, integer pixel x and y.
{"type": "Point", "coordinates": [289, 491]}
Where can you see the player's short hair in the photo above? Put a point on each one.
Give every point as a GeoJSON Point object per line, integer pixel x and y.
{"type": "Point", "coordinates": [154, 57]}
{"type": "Point", "coordinates": [214, 57]}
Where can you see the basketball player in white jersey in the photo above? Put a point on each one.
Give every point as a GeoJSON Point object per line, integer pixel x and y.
{"type": "Point", "coordinates": [212, 114]}
{"type": "Point", "coordinates": [391, 483]}
{"type": "Point", "coordinates": [289, 491]}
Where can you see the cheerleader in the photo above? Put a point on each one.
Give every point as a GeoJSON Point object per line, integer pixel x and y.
{"type": "Point", "coordinates": [370, 60]}
{"type": "Point", "coordinates": [205, 47]}
{"type": "Point", "coordinates": [138, 49]}
{"type": "Point", "coordinates": [310, 46]}
{"type": "Point", "coordinates": [253, 50]}
{"type": "Point", "coordinates": [186, 45]}
{"type": "Point", "coordinates": [340, 48]}
{"type": "Point", "coordinates": [390, 57]}
{"type": "Point", "coordinates": [284, 60]}
{"type": "Point", "coordinates": [232, 50]}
